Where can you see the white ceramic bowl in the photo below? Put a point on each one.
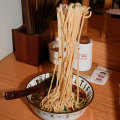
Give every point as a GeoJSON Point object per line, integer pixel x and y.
{"type": "Point", "coordinates": [83, 84]}
{"type": "Point", "coordinates": [85, 55]}
{"type": "Point", "coordinates": [53, 54]}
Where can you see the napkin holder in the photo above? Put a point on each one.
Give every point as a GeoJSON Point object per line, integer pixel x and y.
{"type": "Point", "coordinates": [30, 49]}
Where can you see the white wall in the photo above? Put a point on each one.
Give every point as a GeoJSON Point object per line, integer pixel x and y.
{"type": "Point", "coordinates": [10, 18]}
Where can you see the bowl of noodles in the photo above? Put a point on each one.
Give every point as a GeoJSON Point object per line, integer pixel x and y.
{"type": "Point", "coordinates": [86, 95]}
{"type": "Point", "coordinates": [63, 95]}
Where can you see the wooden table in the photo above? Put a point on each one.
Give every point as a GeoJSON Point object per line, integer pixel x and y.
{"type": "Point", "coordinates": [15, 75]}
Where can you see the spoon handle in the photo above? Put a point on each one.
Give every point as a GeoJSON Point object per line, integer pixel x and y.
{"type": "Point", "coordinates": [113, 11]}
{"type": "Point", "coordinates": [109, 11]}
{"type": "Point", "coordinates": [20, 93]}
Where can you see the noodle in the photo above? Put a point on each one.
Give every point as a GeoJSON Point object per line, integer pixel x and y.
{"type": "Point", "coordinates": [70, 23]}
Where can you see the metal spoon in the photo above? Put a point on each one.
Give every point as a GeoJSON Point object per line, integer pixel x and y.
{"type": "Point", "coordinates": [109, 11]}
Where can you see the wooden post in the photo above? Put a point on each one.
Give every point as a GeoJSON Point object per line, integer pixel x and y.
{"type": "Point", "coordinates": [108, 4]}
{"type": "Point", "coordinates": [106, 17]}
{"type": "Point", "coordinates": [65, 1]}
{"type": "Point", "coordinates": [86, 3]}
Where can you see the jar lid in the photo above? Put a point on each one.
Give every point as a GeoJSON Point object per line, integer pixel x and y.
{"type": "Point", "coordinates": [84, 40]}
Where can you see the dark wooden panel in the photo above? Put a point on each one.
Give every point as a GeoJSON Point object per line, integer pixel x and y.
{"type": "Point", "coordinates": [31, 49]}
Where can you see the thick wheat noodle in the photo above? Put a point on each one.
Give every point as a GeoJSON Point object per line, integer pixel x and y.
{"type": "Point", "coordinates": [53, 76]}
{"type": "Point", "coordinates": [69, 67]}
{"type": "Point", "coordinates": [59, 55]}
{"type": "Point", "coordinates": [77, 78]}
{"type": "Point", "coordinates": [66, 57]}
{"type": "Point", "coordinates": [55, 64]}
{"type": "Point", "coordinates": [63, 87]}
{"type": "Point", "coordinates": [68, 72]}
{"type": "Point", "coordinates": [67, 76]}
{"type": "Point", "coordinates": [70, 26]}
{"type": "Point", "coordinates": [62, 19]}
{"type": "Point", "coordinates": [60, 46]}
{"type": "Point", "coordinates": [77, 83]}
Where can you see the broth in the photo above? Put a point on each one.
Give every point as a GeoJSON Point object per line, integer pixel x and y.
{"type": "Point", "coordinates": [37, 97]}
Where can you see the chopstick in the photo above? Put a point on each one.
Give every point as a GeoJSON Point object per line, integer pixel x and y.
{"type": "Point", "coordinates": [37, 14]}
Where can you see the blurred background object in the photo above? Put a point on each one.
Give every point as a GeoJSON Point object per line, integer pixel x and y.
{"type": "Point", "coordinates": [31, 40]}
{"type": "Point", "coordinates": [10, 17]}
{"type": "Point", "coordinates": [37, 14]}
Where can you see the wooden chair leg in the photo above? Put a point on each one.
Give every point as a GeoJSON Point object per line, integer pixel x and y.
{"type": "Point", "coordinates": [108, 4]}
{"type": "Point", "coordinates": [106, 17]}
{"type": "Point", "coordinates": [65, 1]}
{"type": "Point", "coordinates": [86, 3]}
